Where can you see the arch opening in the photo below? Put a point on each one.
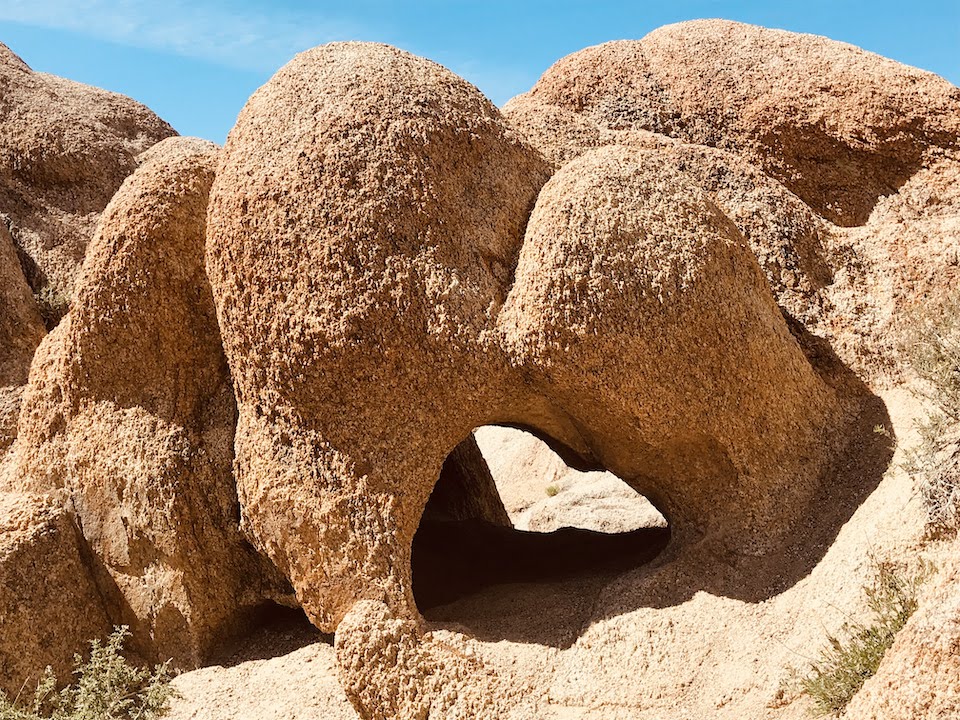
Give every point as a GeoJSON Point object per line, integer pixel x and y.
{"type": "Point", "coordinates": [508, 511]}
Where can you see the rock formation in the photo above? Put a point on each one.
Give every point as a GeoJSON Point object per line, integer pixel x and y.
{"type": "Point", "coordinates": [21, 330]}
{"type": "Point", "coordinates": [918, 675]}
{"type": "Point", "coordinates": [65, 149]}
{"type": "Point", "coordinates": [363, 232]}
{"type": "Point", "coordinates": [838, 126]}
{"type": "Point", "coordinates": [276, 353]}
{"type": "Point", "coordinates": [726, 101]}
{"type": "Point", "coordinates": [542, 493]}
{"type": "Point", "coordinates": [50, 606]}
{"type": "Point", "coordinates": [130, 409]}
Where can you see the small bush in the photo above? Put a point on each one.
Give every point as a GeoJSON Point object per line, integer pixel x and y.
{"type": "Point", "coordinates": [851, 659]}
{"type": "Point", "coordinates": [107, 687]}
{"type": "Point", "coordinates": [52, 305]}
{"type": "Point", "coordinates": [552, 490]}
{"type": "Point", "coordinates": [931, 345]}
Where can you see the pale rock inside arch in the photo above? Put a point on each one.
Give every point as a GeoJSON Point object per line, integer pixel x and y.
{"type": "Point", "coordinates": [542, 494]}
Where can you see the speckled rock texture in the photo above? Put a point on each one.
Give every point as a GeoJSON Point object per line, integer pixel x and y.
{"type": "Point", "coordinates": [376, 266]}
{"type": "Point", "coordinates": [65, 148]}
{"type": "Point", "coordinates": [130, 410]}
{"type": "Point", "coordinates": [804, 142]}
{"type": "Point", "coordinates": [49, 604]}
{"type": "Point", "coordinates": [21, 330]}
{"type": "Point", "coordinates": [542, 493]}
{"type": "Point", "coordinates": [838, 126]}
{"type": "Point", "coordinates": [918, 675]}
{"type": "Point", "coordinates": [677, 259]}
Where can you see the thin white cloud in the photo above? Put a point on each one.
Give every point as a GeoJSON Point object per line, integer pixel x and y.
{"type": "Point", "coordinates": [235, 37]}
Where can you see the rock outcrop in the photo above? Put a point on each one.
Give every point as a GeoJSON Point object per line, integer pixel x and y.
{"type": "Point", "coordinates": [838, 126]}
{"type": "Point", "coordinates": [807, 170]}
{"type": "Point", "coordinates": [382, 288]}
{"type": "Point", "coordinates": [130, 410]}
{"type": "Point", "coordinates": [917, 677]}
{"type": "Point", "coordinates": [21, 330]}
{"type": "Point", "coordinates": [50, 606]}
{"type": "Point", "coordinates": [65, 148]}
{"type": "Point", "coordinates": [543, 494]}
{"type": "Point", "coordinates": [276, 353]}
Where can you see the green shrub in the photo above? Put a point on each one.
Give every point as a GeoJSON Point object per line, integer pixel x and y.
{"type": "Point", "coordinates": [931, 345]}
{"type": "Point", "coordinates": [106, 687]}
{"type": "Point", "coordinates": [851, 659]}
{"type": "Point", "coordinates": [552, 490]}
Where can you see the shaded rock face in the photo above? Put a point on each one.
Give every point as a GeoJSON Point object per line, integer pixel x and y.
{"type": "Point", "coordinates": [65, 148]}
{"type": "Point", "coordinates": [383, 287]}
{"type": "Point", "coordinates": [130, 410]}
{"type": "Point", "coordinates": [838, 126]}
{"type": "Point", "coordinates": [49, 604]}
{"type": "Point", "coordinates": [466, 490]}
{"type": "Point", "coordinates": [21, 330]}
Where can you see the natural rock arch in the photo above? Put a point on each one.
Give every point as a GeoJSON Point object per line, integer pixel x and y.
{"type": "Point", "coordinates": [382, 288]}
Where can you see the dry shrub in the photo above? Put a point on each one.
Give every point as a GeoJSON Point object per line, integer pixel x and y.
{"type": "Point", "coordinates": [931, 346]}
{"type": "Point", "coordinates": [853, 657]}
{"type": "Point", "coordinates": [106, 687]}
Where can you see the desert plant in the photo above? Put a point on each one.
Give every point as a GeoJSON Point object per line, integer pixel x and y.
{"type": "Point", "coordinates": [107, 687]}
{"type": "Point", "coordinates": [853, 656]}
{"type": "Point", "coordinates": [552, 490]}
{"type": "Point", "coordinates": [931, 345]}
{"type": "Point", "coordinates": [52, 305]}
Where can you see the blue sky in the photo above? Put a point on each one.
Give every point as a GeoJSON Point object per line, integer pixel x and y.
{"type": "Point", "coordinates": [196, 62]}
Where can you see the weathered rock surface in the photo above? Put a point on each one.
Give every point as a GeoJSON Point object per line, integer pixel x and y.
{"type": "Point", "coordinates": [466, 490]}
{"type": "Point", "coordinates": [726, 101]}
{"type": "Point", "coordinates": [363, 228]}
{"type": "Point", "coordinates": [130, 409]}
{"type": "Point", "coordinates": [363, 232]}
{"type": "Point", "coordinates": [390, 265]}
{"type": "Point", "coordinates": [840, 127]}
{"type": "Point", "coordinates": [626, 270]}
{"type": "Point", "coordinates": [65, 148]}
{"type": "Point", "coordinates": [542, 493]}
{"type": "Point", "coordinates": [21, 330]}
{"type": "Point", "coordinates": [918, 675]}
{"type": "Point", "coordinates": [49, 605]}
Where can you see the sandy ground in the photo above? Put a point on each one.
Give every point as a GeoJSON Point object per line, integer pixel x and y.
{"type": "Point", "coordinates": [667, 641]}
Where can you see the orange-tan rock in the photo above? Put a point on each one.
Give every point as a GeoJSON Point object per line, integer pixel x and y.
{"type": "Point", "coordinates": [50, 605]}
{"type": "Point", "coordinates": [360, 292]}
{"type": "Point", "coordinates": [130, 409]}
{"type": "Point", "coordinates": [276, 355]}
{"type": "Point", "coordinates": [838, 126]}
{"type": "Point", "coordinates": [21, 330]}
{"type": "Point", "coordinates": [65, 149]}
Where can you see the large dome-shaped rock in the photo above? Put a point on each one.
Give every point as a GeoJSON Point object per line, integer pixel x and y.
{"type": "Point", "coordinates": [639, 305]}
{"type": "Point", "coordinates": [362, 234]}
{"type": "Point", "coordinates": [785, 234]}
{"type": "Point", "coordinates": [363, 229]}
{"type": "Point", "coordinates": [838, 126]}
{"type": "Point", "coordinates": [130, 409]}
{"type": "Point", "coordinates": [65, 148]}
